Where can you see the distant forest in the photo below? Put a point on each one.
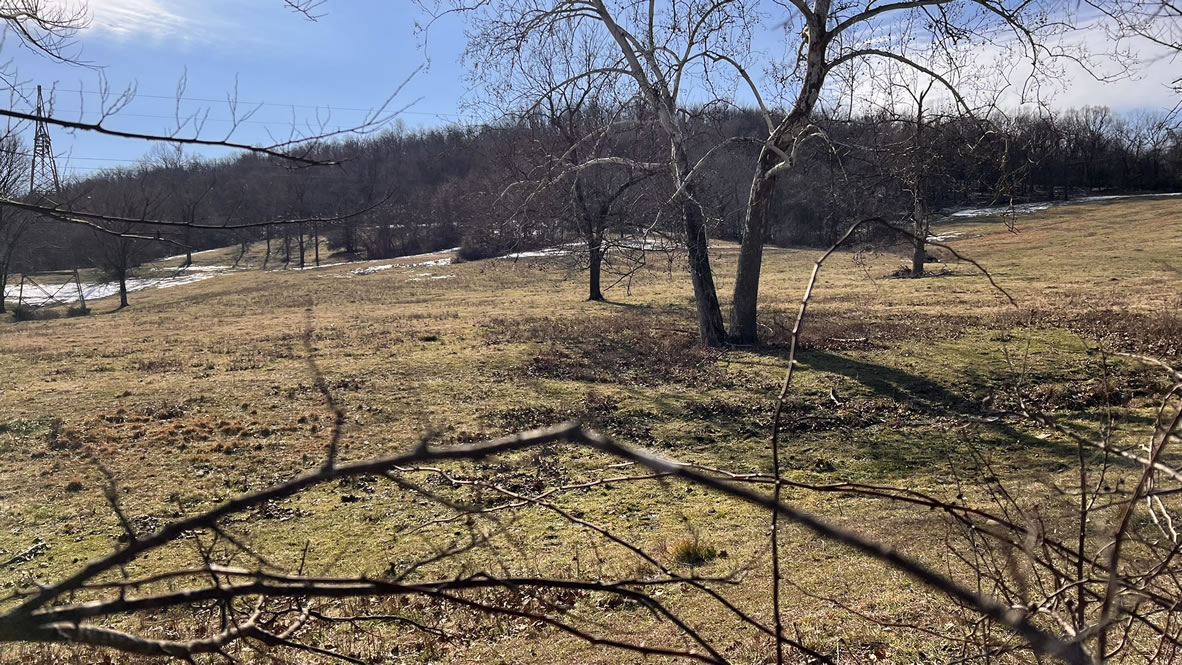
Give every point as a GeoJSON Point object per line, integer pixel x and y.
{"type": "Point", "coordinates": [502, 187]}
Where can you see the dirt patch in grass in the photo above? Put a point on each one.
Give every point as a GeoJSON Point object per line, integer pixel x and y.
{"type": "Point", "coordinates": [870, 330]}
{"type": "Point", "coordinates": [628, 348]}
{"type": "Point", "coordinates": [1155, 333]}
{"type": "Point", "coordinates": [598, 410]}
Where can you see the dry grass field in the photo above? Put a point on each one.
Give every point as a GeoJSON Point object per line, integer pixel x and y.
{"type": "Point", "coordinates": [201, 392]}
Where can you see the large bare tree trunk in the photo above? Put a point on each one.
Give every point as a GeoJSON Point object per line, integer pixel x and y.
{"type": "Point", "coordinates": [711, 329]}
{"type": "Point", "coordinates": [746, 296]}
{"type": "Point", "coordinates": [744, 305]}
{"type": "Point", "coordinates": [122, 290]}
{"type": "Point", "coordinates": [920, 255]}
{"type": "Point", "coordinates": [595, 249]}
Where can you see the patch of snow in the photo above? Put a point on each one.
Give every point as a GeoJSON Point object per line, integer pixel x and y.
{"type": "Point", "coordinates": [205, 268]}
{"type": "Point", "coordinates": [371, 270]}
{"type": "Point", "coordinates": [423, 276]}
{"type": "Point", "coordinates": [645, 244]}
{"type": "Point", "coordinates": [68, 293]}
{"type": "Point", "coordinates": [182, 256]}
{"type": "Point", "coordinates": [1019, 209]}
{"type": "Point", "coordinates": [1125, 196]}
{"type": "Point", "coordinates": [436, 262]}
{"type": "Point", "coordinates": [442, 251]}
{"type": "Point", "coordinates": [539, 253]}
{"type": "Point", "coordinates": [1027, 208]}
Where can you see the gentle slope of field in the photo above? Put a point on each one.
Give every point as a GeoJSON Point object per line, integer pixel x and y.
{"type": "Point", "coordinates": [200, 392]}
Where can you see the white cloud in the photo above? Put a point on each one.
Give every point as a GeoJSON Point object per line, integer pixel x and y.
{"type": "Point", "coordinates": [159, 20]}
{"type": "Point", "coordinates": [1124, 76]}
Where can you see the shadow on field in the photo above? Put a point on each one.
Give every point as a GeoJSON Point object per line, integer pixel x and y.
{"type": "Point", "coordinates": [930, 400]}
{"type": "Point", "coordinates": [626, 305]}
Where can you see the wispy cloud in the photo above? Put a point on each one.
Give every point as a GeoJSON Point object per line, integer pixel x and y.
{"type": "Point", "coordinates": [161, 20]}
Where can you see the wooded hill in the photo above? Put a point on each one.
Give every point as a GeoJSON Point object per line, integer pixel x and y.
{"type": "Point", "coordinates": [496, 188]}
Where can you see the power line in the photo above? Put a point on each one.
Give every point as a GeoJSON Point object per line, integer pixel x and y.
{"type": "Point", "coordinates": [190, 119]}
{"type": "Point", "coordinates": [328, 107]}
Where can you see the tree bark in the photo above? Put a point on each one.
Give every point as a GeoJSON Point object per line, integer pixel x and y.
{"type": "Point", "coordinates": [595, 248]}
{"type": "Point", "coordinates": [122, 290]}
{"type": "Point", "coordinates": [316, 242]}
{"type": "Point", "coordinates": [3, 285]}
{"type": "Point", "coordinates": [711, 329]}
{"type": "Point", "coordinates": [745, 302]}
{"type": "Point", "coordinates": [919, 255]}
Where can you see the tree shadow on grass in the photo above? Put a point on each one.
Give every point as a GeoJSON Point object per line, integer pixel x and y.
{"type": "Point", "coordinates": [930, 400]}
{"type": "Point", "coordinates": [624, 305]}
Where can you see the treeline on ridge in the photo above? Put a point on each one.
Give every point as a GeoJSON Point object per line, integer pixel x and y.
{"type": "Point", "coordinates": [515, 184]}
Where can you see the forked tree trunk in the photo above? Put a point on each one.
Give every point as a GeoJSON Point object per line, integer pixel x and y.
{"type": "Point", "coordinates": [744, 305]}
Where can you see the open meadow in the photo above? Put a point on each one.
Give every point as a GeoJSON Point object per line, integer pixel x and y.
{"type": "Point", "coordinates": [199, 393]}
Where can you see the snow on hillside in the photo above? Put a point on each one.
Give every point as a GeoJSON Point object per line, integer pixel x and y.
{"type": "Point", "coordinates": [67, 292]}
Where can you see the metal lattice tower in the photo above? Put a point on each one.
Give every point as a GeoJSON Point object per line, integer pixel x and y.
{"type": "Point", "coordinates": [45, 188]}
{"type": "Point", "coordinates": [43, 183]}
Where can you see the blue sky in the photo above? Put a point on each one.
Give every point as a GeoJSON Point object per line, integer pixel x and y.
{"type": "Point", "coordinates": [334, 69]}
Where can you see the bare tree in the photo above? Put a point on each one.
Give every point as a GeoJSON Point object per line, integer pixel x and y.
{"type": "Point", "coordinates": [659, 51]}
{"type": "Point", "coordinates": [1157, 23]}
{"type": "Point", "coordinates": [14, 170]}
{"type": "Point", "coordinates": [187, 185]}
{"type": "Point", "coordinates": [120, 243]}
{"type": "Point", "coordinates": [576, 120]}
{"type": "Point", "coordinates": [833, 35]}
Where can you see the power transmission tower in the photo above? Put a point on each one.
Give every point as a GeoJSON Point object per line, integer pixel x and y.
{"type": "Point", "coordinates": [45, 189]}
{"type": "Point", "coordinates": [43, 183]}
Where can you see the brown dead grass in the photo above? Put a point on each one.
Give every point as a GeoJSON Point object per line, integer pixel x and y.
{"type": "Point", "coordinates": [196, 393]}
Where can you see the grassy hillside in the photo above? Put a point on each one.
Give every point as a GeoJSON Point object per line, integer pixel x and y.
{"type": "Point", "coordinates": [204, 391]}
